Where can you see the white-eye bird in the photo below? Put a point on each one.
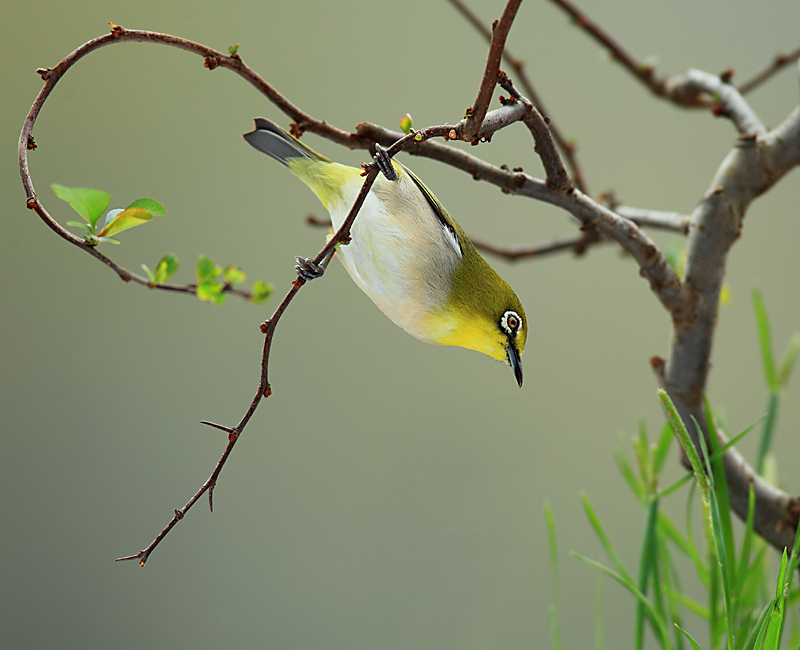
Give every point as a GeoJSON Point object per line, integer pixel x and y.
{"type": "Point", "coordinates": [407, 253]}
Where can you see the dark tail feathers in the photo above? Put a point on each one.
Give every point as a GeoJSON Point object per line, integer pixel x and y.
{"type": "Point", "coordinates": [272, 140]}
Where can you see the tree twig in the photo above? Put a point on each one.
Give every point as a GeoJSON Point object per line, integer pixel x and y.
{"type": "Point", "coordinates": [778, 64]}
{"type": "Point", "coordinates": [500, 29]}
{"type": "Point", "coordinates": [567, 148]}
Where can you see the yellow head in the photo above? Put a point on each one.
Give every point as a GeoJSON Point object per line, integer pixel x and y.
{"type": "Point", "coordinates": [482, 312]}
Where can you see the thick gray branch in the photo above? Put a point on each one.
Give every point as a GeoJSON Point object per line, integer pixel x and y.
{"type": "Point", "coordinates": [753, 165]}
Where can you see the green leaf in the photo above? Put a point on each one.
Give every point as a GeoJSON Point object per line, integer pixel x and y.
{"type": "Point", "coordinates": [80, 224]}
{"type": "Point", "coordinates": [108, 240]}
{"type": "Point", "coordinates": [110, 216]}
{"type": "Point", "coordinates": [167, 267]}
{"type": "Point", "coordinates": [206, 269]}
{"type": "Point", "coordinates": [407, 124]}
{"type": "Point", "coordinates": [233, 49]}
{"type": "Point", "coordinates": [234, 275]}
{"type": "Point", "coordinates": [88, 203]}
{"type": "Point", "coordinates": [125, 220]}
{"type": "Point", "coordinates": [209, 291]}
{"type": "Point", "coordinates": [262, 291]}
{"type": "Point", "coordinates": [150, 274]}
{"type": "Point", "coordinates": [151, 205]}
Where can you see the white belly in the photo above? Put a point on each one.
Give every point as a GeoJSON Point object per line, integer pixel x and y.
{"type": "Point", "coordinates": [399, 254]}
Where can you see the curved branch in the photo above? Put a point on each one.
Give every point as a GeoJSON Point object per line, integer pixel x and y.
{"type": "Point", "coordinates": [753, 166]}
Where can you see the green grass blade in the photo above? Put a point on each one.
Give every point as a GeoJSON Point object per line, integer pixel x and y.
{"type": "Point", "coordinates": [691, 604]}
{"type": "Point", "coordinates": [747, 542]}
{"type": "Point", "coordinates": [668, 530]}
{"type": "Point", "coordinates": [795, 559]}
{"type": "Point", "coordinates": [653, 615]}
{"type": "Point", "coordinates": [667, 590]}
{"type": "Point", "coordinates": [772, 639]}
{"type": "Point", "coordinates": [789, 358]}
{"type": "Point", "coordinates": [718, 533]}
{"type": "Point", "coordinates": [721, 490]}
{"type": "Point", "coordinates": [599, 640]}
{"type": "Point", "coordinates": [695, 646]}
{"type": "Point", "coordinates": [709, 498]}
{"type": "Point", "coordinates": [662, 448]}
{"type": "Point", "coordinates": [647, 567]}
{"type": "Point", "coordinates": [765, 341]}
{"type": "Point", "coordinates": [604, 541]}
{"type": "Point", "coordinates": [756, 637]}
{"type": "Point", "coordinates": [635, 484]}
{"type": "Point", "coordinates": [699, 565]}
{"type": "Point", "coordinates": [675, 486]}
{"type": "Point", "coordinates": [767, 432]}
{"type": "Point", "coordinates": [735, 440]}
{"type": "Point", "coordinates": [555, 634]}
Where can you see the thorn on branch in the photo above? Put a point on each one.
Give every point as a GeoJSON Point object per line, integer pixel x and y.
{"type": "Point", "coordinates": [217, 426]}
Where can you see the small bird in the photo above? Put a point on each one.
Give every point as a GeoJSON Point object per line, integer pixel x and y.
{"type": "Point", "coordinates": [407, 253]}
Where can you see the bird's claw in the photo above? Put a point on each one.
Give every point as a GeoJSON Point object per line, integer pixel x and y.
{"type": "Point", "coordinates": [384, 162]}
{"type": "Point", "coordinates": [307, 270]}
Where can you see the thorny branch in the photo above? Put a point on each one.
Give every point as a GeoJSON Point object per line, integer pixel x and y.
{"type": "Point", "coordinates": [758, 161]}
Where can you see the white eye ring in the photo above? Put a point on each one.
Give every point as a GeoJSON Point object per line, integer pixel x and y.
{"type": "Point", "coordinates": [510, 322]}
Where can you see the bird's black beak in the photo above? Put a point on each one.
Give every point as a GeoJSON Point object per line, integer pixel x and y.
{"type": "Point", "coordinates": [515, 362]}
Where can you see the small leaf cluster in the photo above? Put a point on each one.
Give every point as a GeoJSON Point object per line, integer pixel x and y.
{"type": "Point", "coordinates": [91, 204]}
{"type": "Point", "coordinates": [213, 281]}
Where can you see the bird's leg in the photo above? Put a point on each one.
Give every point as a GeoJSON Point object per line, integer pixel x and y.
{"type": "Point", "coordinates": [307, 270]}
{"type": "Point", "coordinates": [384, 162]}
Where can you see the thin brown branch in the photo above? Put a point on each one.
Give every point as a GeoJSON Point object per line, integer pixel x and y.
{"type": "Point", "coordinates": [500, 29]}
{"type": "Point", "coordinates": [557, 176]}
{"type": "Point", "coordinates": [682, 90]}
{"type": "Point", "coordinates": [567, 147]}
{"type": "Point", "coordinates": [778, 64]}
{"type": "Point", "coordinates": [644, 73]}
{"type": "Point", "coordinates": [578, 244]}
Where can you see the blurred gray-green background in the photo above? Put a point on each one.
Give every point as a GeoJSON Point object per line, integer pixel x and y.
{"type": "Point", "coordinates": [389, 494]}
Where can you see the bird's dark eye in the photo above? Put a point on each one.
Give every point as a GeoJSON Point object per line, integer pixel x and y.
{"type": "Point", "coordinates": [510, 322]}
